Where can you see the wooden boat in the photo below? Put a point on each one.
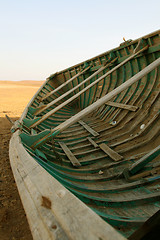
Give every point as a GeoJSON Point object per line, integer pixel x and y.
{"type": "Point", "coordinates": [85, 152]}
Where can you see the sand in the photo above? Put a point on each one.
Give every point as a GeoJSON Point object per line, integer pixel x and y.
{"type": "Point", "coordinates": [14, 96]}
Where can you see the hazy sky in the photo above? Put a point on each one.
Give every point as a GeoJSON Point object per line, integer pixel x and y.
{"type": "Point", "coordinates": [38, 38]}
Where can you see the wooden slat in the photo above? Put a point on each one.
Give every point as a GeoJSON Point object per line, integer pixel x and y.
{"type": "Point", "coordinates": [92, 142]}
{"type": "Point", "coordinates": [123, 106]}
{"type": "Point", "coordinates": [69, 154]}
{"type": "Point", "coordinates": [114, 155]}
{"type": "Point", "coordinates": [89, 129]}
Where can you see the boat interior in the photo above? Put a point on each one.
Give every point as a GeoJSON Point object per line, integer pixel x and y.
{"type": "Point", "coordinates": [99, 137]}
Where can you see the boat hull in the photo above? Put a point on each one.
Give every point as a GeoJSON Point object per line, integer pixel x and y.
{"type": "Point", "coordinates": [87, 144]}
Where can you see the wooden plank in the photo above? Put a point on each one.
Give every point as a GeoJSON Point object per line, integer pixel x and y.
{"type": "Point", "coordinates": [39, 217]}
{"type": "Point", "coordinates": [92, 142]}
{"type": "Point", "coordinates": [110, 152]}
{"type": "Point", "coordinates": [123, 106]}
{"type": "Point", "coordinates": [89, 129]}
{"type": "Point", "coordinates": [70, 155]}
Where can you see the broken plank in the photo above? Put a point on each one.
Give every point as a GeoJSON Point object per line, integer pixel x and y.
{"type": "Point", "coordinates": [114, 155]}
{"type": "Point", "coordinates": [92, 142]}
{"type": "Point", "coordinates": [89, 129]}
{"type": "Point", "coordinates": [121, 105]}
{"type": "Point", "coordinates": [70, 155]}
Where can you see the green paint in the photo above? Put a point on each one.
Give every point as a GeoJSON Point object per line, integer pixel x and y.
{"type": "Point", "coordinates": [31, 139]}
{"type": "Point", "coordinates": [28, 122]}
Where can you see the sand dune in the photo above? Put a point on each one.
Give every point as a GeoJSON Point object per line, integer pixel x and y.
{"type": "Point", "coordinates": [24, 83]}
{"type": "Point", "coordinates": [14, 96]}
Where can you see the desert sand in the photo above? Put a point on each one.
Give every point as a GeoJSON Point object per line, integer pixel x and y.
{"type": "Point", "coordinates": [14, 96]}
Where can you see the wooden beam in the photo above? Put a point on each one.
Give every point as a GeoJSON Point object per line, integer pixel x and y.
{"type": "Point", "coordinates": [70, 155]}
{"type": "Point", "coordinates": [101, 101]}
{"type": "Point", "coordinates": [110, 152]}
{"type": "Point", "coordinates": [114, 155]}
{"type": "Point", "coordinates": [92, 142]}
{"type": "Point", "coordinates": [123, 106]}
{"type": "Point", "coordinates": [89, 129]}
{"type": "Point", "coordinates": [65, 83]}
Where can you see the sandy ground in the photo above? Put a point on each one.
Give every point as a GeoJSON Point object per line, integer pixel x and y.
{"type": "Point", "coordinates": [14, 96]}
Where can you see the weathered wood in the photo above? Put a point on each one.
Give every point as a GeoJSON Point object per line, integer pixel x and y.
{"type": "Point", "coordinates": [144, 160]}
{"type": "Point", "coordinates": [69, 92]}
{"type": "Point", "coordinates": [108, 96]}
{"type": "Point", "coordinates": [73, 89]}
{"type": "Point", "coordinates": [123, 106]}
{"type": "Point", "coordinates": [144, 174]}
{"type": "Point", "coordinates": [40, 218]}
{"type": "Point", "coordinates": [110, 152]}
{"type": "Point", "coordinates": [88, 128]}
{"type": "Point", "coordinates": [70, 155]}
{"type": "Point", "coordinates": [50, 113]}
{"type": "Point", "coordinates": [65, 83]}
{"type": "Point", "coordinates": [92, 142]}
{"type": "Point", "coordinates": [46, 203]}
{"type": "Point", "coordinates": [98, 103]}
